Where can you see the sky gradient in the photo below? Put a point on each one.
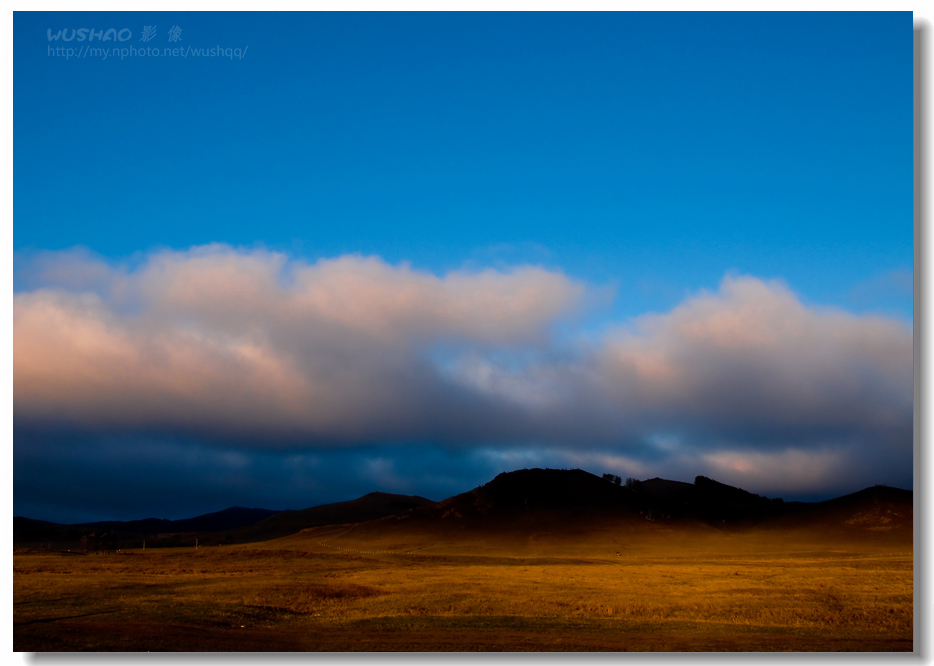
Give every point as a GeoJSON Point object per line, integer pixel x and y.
{"type": "Point", "coordinates": [408, 252]}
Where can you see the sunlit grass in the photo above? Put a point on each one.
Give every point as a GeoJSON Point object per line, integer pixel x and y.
{"type": "Point", "coordinates": [747, 591]}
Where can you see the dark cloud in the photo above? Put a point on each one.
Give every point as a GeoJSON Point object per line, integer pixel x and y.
{"type": "Point", "coordinates": [76, 478]}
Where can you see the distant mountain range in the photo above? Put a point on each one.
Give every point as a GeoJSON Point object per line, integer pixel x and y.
{"type": "Point", "coordinates": [579, 496]}
{"type": "Point", "coordinates": [233, 525]}
{"type": "Point", "coordinates": [509, 500]}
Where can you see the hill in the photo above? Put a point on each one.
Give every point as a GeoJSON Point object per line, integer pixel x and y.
{"type": "Point", "coordinates": [872, 511]}
{"type": "Point", "coordinates": [371, 506]}
{"type": "Point", "coordinates": [227, 519]}
{"type": "Point", "coordinates": [556, 502]}
{"type": "Point", "coordinates": [525, 491]}
{"type": "Point", "coordinates": [580, 494]}
{"type": "Point", "coordinates": [574, 506]}
{"type": "Point", "coordinates": [547, 513]}
{"type": "Point", "coordinates": [29, 531]}
{"type": "Point", "coordinates": [233, 525]}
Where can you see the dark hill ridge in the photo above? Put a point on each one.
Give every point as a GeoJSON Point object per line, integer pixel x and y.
{"type": "Point", "coordinates": [511, 500]}
{"type": "Point", "coordinates": [233, 525]}
{"type": "Point", "coordinates": [706, 500]}
{"type": "Point", "coordinates": [549, 495]}
{"type": "Point", "coordinates": [577, 492]}
{"type": "Point", "coordinates": [566, 491]}
{"type": "Point", "coordinates": [371, 506]}
{"type": "Point", "coordinates": [877, 509]}
{"type": "Point", "coordinates": [26, 530]}
{"type": "Point", "coordinates": [226, 519]}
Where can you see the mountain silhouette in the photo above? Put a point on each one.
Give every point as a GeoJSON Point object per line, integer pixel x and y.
{"type": "Point", "coordinates": [226, 519]}
{"type": "Point", "coordinates": [29, 530]}
{"type": "Point", "coordinates": [371, 506]}
{"type": "Point", "coordinates": [531, 490]}
{"type": "Point", "coordinates": [577, 493]}
{"type": "Point", "coordinates": [559, 499]}
{"type": "Point", "coordinates": [233, 525]}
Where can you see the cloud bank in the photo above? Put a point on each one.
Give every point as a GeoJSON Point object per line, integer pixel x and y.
{"type": "Point", "coordinates": [253, 352]}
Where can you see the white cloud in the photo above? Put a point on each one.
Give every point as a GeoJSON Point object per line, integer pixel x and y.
{"type": "Point", "coordinates": [215, 338]}
{"type": "Point", "coordinates": [254, 347]}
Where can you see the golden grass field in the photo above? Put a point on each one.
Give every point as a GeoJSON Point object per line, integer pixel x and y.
{"type": "Point", "coordinates": [384, 586]}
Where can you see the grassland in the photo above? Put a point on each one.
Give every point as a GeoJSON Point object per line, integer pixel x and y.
{"type": "Point", "coordinates": [385, 586]}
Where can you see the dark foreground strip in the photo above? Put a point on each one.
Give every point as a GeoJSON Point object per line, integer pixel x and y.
{"type": "Point", "coordinates": [135, 636]}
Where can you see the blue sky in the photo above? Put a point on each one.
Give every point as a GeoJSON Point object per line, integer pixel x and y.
{"type": "Point", "coordinates": [643, 156]}
{"type": "Point", "coordinates": [652, 151]}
